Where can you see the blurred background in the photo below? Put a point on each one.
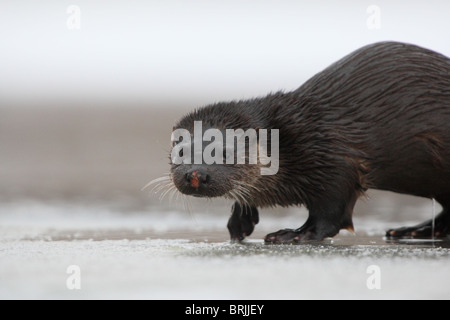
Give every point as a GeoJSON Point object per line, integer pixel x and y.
{"type": "Point", "coordinates": [89, 90]}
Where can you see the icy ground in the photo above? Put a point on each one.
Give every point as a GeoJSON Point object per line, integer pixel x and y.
{"type": "Point", "coordinates": [171, 255]}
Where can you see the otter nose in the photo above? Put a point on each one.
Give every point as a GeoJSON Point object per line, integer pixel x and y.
{"type": "Point", "coordinates": [197, 178]}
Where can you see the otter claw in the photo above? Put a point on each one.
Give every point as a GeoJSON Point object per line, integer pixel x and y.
{"type": "Point", "coordinates": [285, 236]}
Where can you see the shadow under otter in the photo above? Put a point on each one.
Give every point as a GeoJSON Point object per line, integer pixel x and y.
{"type": "Point", "coordinates": [378, 118]}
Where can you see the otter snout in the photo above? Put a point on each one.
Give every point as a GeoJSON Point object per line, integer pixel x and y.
{"type": "Point", "coordinates": [197, 178]}
{"type": "Point", "coordinates": [207, 180]}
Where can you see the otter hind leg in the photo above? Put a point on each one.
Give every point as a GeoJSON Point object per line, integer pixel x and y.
{"type": "Point", "coordinates": [424, 230]}
{"type": "Point", "coordinates": [325, 219]}
{"type": "Point", "coordinates": [242, 221]}
{"type": "Point", "coordinates": [310, 231]}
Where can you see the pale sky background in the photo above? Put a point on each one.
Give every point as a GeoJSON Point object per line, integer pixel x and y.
{"type": "Point", "coordinates": [191, 52]}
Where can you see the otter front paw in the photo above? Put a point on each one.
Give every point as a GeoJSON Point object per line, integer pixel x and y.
{"type": "Point", "coordinates": [242, 222]}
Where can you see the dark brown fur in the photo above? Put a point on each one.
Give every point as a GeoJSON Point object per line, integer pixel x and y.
{"type": "Point", "coordinates": [378, 118]}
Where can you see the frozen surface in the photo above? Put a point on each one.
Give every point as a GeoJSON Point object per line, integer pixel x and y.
{"type": "Point", "coordinates": [171, 255]}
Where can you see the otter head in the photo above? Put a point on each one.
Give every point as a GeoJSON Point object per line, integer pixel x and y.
{"type": "Point", "coordinates": [212, 156]}
{"type": "Point", "coordinates": [204, 165]}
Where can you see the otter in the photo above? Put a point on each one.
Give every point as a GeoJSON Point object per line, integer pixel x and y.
{"type": "Point", "coordinates": [378, 118]}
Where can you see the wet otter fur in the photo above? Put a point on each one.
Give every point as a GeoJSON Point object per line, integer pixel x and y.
{"type": "Point", "coordinates": [378, 118]}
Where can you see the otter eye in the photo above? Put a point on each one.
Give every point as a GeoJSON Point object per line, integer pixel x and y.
{"type": "Point", "coordinates": [226, 155]}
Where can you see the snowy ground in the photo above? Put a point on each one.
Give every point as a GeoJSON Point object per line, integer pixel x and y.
{"type": "Point", "coordinates": [172, 255]}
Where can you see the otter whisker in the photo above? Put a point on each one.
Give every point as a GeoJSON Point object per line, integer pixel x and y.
{"type": "Point", "coordinates": [244, 184]}
{"type": "Point", "coordinates": [173, 192]}
{"type": "Point", "coordinates": [234, 196]}
{"type": "Point", "coordinates": [250, 186]}
{"type": "Point", "coordinates": [166, 192]}
{"type": "Point", "coordinates": [188, 206]}
{"type": "Point", "coordinates": [240, 196]}
{"type": "Point", "coordinates": [245, 200]}
{"type": "Point", "coordinates": [157, 180]}
{"type": "Point", "coordinates": [244, 191]}
{"type": "Point", "coordinates": [167, 188]}
{"type": "Point", "coordinates": [161, 187]}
